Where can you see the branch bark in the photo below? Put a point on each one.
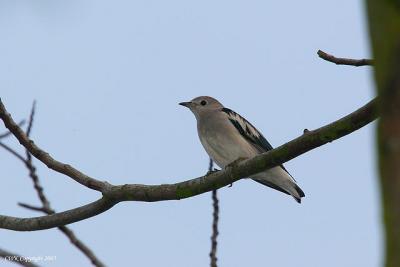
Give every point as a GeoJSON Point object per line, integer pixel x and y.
{"type": "Point", "coordinates": [149, 193]}
{"type": "Point", "coordinates": [344, 61]}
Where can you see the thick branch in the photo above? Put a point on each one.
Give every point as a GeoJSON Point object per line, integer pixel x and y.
{"type": "Point", "coordinates": [134, 192]}
{"type": "Point", "coordinates": [345, 61]}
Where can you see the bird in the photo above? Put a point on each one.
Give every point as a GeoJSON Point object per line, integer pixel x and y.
{"type": "Point", "coordinates": [227, 137]}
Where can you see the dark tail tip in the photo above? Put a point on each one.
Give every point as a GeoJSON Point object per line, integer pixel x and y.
{"type": "Point", "coordinates": [300, 192]}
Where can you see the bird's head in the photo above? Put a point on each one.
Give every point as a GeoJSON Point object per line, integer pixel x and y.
{"type": "Point", "coordinates": [202, 104]}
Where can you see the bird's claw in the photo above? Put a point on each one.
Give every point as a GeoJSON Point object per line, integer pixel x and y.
{"type": "Point", "coordinates": [212, 171]}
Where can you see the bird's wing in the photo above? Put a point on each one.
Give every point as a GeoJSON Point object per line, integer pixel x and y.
{"type": "Point", "coordinates": [248, 131]}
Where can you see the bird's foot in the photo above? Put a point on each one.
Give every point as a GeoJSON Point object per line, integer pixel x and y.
{"type": "Point", "coordinates": [212, 171]}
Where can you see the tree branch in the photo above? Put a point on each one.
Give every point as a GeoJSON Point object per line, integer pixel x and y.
{"type": "Point", "coordinates": [344, 61]}
{"type": "Point", "coordinates": [56, 219]}
{"type": "Point", "coordinates": [149, 193]}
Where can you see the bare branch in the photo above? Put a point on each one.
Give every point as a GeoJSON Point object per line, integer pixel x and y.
{"type": "Point", "coordinates": [17, 259]}
{"type": "Point", "coordinates": [81, 246]}
{"type": "Point", "coordinates": [345, 61]}
{"type": "Point", "coordinates": [32, 171]}
{"type": "Point", "coordinates": [30, 124]}
{"type": "Point", "coordinates": [214, 235]}
{"type": "Point", "coordinates": [136, 192]}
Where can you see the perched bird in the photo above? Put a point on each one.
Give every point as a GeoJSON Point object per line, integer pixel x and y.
{"type": "Point", "coordinates": [226, 136]}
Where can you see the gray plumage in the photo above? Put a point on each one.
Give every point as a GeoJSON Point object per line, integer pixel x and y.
{"type": "Point", "coordinates": [226, 136]}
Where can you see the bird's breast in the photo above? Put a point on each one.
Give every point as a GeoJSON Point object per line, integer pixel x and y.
{"type": "Point", "coordinates": [224, 144]}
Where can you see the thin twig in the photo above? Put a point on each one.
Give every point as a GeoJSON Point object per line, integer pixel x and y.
{"type": "Point", "coordinates": [214, 236]}
{"type": "Point", "coordinates": [345, 61]}
{"type": "Point", "coordinates": [12, 151]}
{"type": "Point", "coordinates": [31, 207]}
{"type": "Point", "coordinates": [17, 259]}
{"type": "Point", "coordinates": [31, 117]}
{"type": "Point", "coordinates": [81, 246]}
{"type": "Point", "coordinates": [32, 169]}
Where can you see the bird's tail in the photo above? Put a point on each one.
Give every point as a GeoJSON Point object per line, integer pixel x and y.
{"type": "Point", "coordinates": [279, 179]}
{"type": "Point", "coordinates": [292, 189]}
{"type": "Point", "coordinates": [299, 193]}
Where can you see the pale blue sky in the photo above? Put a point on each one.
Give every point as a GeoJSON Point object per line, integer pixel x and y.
{"type": "Point", "coordinates": [107, 77]}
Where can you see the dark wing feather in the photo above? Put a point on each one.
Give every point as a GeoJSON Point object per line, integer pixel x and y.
{"type": "Point", "coordinates": [248, 131]}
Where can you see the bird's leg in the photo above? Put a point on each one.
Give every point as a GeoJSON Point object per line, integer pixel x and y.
{"type": "Point", "coordinates": [233, 164]}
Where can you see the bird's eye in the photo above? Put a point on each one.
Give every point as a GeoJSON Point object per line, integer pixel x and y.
{"type": "Point", "coordinates": [203, 103]}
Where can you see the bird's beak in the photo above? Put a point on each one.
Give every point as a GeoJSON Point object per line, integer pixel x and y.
{"type": "Point", "coordinates": [185, 104]}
